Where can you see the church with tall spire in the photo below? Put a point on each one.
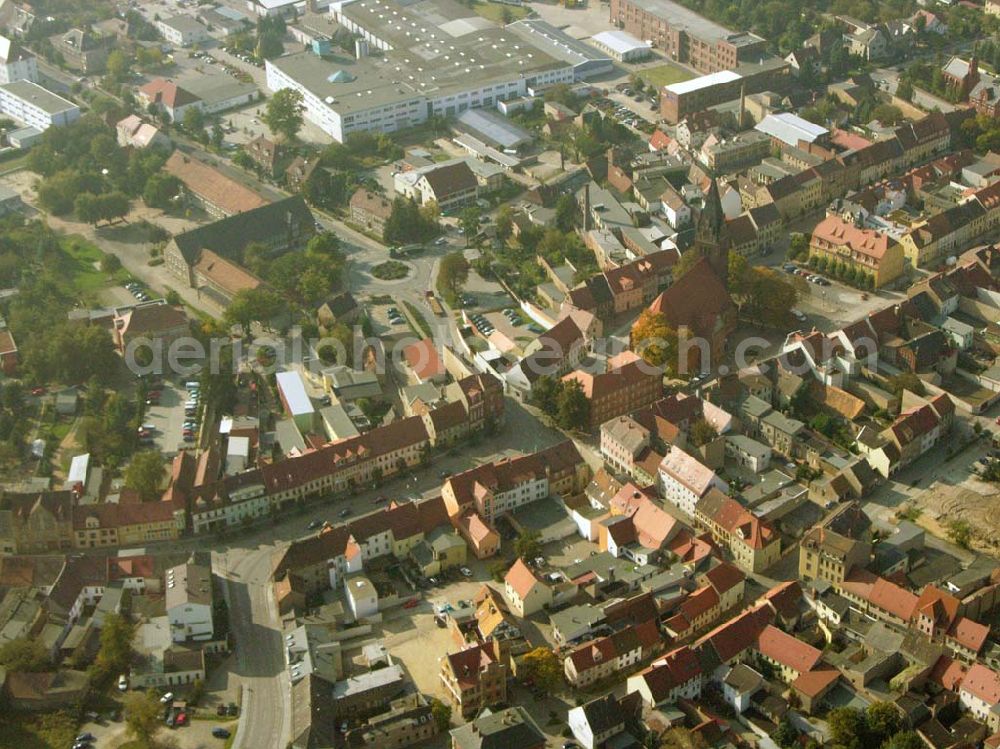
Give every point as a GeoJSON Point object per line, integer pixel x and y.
{"type": "Point", "coordinates": [711, 239]}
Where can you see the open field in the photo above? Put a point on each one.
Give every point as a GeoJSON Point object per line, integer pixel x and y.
{"type": "Point", "coordinates": [664, 75]}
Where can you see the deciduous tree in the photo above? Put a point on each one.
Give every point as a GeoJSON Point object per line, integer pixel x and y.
{"type": "Point", "coordinates": [442, 715]}
{"type": "Point", "coordinates": [143, 716]}
{"type": "Point", "coordinates": [145, 473]}
{"type": "Point", "coordinates": [283, 114]}
{"type": "Point", "coordinates": [470, 219]}
{"type": "Point", "coordinates": [528, 544]}
{"type": "Point", "coordinates": [701, 433]}
{"type": "Point", "coordinates": [654, 340]}
{"type": "Point", "coordinates": [572, 406]}
{"type": "Point", "coordinates": [24, 654]}
{"type": "Point", "coordinates": [160, 190]}
{"type": "Point", "coordinates": [453, 273]}
{"type": "Point", "coordinates": [542, 668]}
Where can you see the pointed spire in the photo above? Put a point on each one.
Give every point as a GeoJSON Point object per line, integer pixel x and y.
{"type": "Point", "coordinates": [712, 218]}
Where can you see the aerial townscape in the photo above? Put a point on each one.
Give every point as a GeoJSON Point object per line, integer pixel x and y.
{"type": "Point", "coordinates": [499, 374]}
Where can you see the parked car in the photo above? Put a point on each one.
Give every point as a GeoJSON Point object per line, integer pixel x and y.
{"type": "Point", "coordinates": [412, 603]}
{"type": "Point", "coordinates": [221, 733]}
{"type": "Point", "coordinates": [168, 697]}
{"type": "Point", "coordinates": [123, 683]}
{"type": "Point", "coordinates": [84, 737]}
{"type": "Point", "coordinates": [466, 572]}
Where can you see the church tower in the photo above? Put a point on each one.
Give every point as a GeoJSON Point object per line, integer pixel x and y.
{"type": "Point", "coordinates": [711, 239]}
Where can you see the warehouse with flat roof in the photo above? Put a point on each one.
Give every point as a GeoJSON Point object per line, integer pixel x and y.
{"type": "Point", "coordinates": [295, 399]}
{"type": "Point", "coordinates": [587, 61]}
{"type": "Point", "coordinates": [438, 59]}
{"type": "Point", "coordinates": [791, 129]}
{"type": "Point", "coordinates": [621, 45]}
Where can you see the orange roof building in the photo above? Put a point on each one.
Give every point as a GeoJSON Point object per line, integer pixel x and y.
{"type": "Point", "coordinates": [871, 252]}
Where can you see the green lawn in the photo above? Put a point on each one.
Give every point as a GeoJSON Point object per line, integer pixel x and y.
{"type": "Point", "coordinates": [80, 268]}
{"type": "Point", "coordinates": [495, 12]}
{"type": "Point", "coordinates": [418, 318]}
{"type": "Point", "coordinates": [664, 75]}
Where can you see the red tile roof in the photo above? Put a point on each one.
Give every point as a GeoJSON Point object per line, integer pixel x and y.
{"type": "Point", "coordinates": [672, 670]}
{"type": "Point", "coordinates": [833, 231]}
{"type": "Point", "coordinates": [969, 634]}
{"type": "Point", "coordinates": [115, 515]}
{"type": "Point", "coordinates": [890, 597]}
{"type": "Point", "coordinates": [736, 635]}
{"type": "Point", "coordinates": [983, 683]}
{"type": "Point", "coordinates": [653, 527]}
{"type": "Point", "coordinates": [422, 357]}
{"type": "Point", "coordinates": [521, 579]}
{"type": "Point", "coordinates": [814, 683]}
{"type": "Point", "coordinates": [787, 650]}
{"type": "Point", "coordinates": [467, 664]}
{"type": "Point", "coordinates": [624, 371]}
{"type": "Point", "coordinates": [228, 275]}
{"type": "Point", "coordinates": [940, 606]}
{"type": "Point", "coordinates": [948, 673]}
{"type": "Point", "coordinates": [724, 577]}
{"type": "Point", "coordinates": [738, 521]}
{"type": "Point", "coordinates": [659, 140]}
{"type": "Point", "coordinates": [696, 301]}
{"type": "Point", "coordinates": [505, 474]}
{"type": "Point", "coordinates": [211, 185]}
{"type": "Point", "coordinates": [312, 466]}
{"type": "Point", "coordinates": [166, 92]}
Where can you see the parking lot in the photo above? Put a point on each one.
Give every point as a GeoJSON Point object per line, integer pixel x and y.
{"type": "Point", "coordinates": [196, 735]}
{"type": "Point", "coordinates": [508, 329]}
{"type": "Point", "coordinates": [385, 323]}
{"type": "Point", "coordinates": [167, 417]}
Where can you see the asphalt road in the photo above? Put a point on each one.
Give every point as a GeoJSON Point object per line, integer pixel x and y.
{"type": "Point", "coordinates": [265, 719]}
{"type": "Point", "coordinates": [364, 253]}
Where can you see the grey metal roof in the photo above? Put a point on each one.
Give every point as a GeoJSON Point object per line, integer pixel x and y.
{"type": "Point", "coordinates": [38, 96]}
{"type": "Point", "coordinates": [557, 42]}
{"type": "Point", "coordinates": [494, 127]}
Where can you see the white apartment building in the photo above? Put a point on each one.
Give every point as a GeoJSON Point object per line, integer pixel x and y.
{"type": "Point", "coordinates": [684, 480]}
{"type": "Point", "coordinates": [189, 602]}
{"type": "Point", "coordinates": [35, 106]}
{"type": "Point", "coordinates": [182, 31]}
{"type": "Point", "coordinates": [531, 490]}
{"type": "Point", "coordinates": [245, 501]}
{"type": "Point", "coordinates": [15, 63]}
